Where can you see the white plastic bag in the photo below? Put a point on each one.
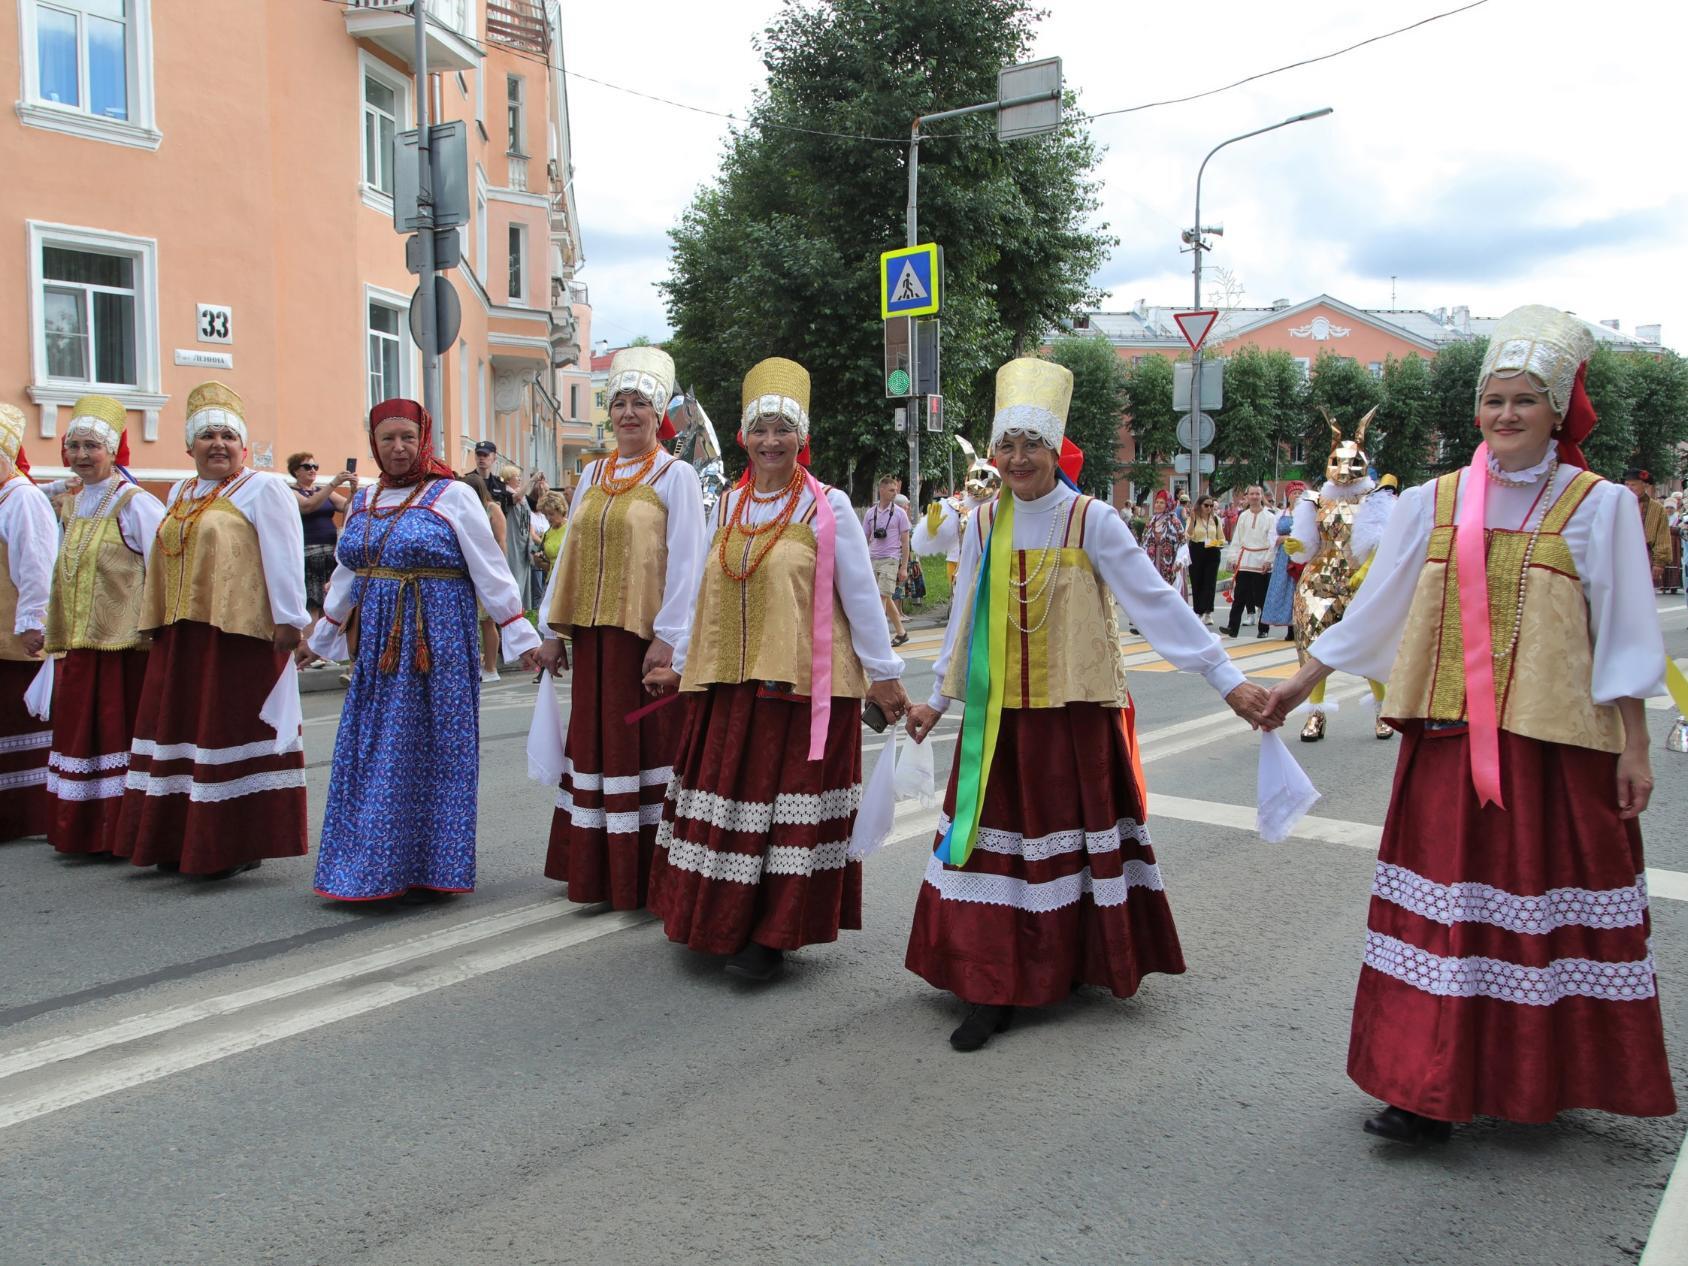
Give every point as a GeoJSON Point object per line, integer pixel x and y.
{"type": "Point", "coordinates": [282, 711]}
{"type": "Point", "coordinates": [1283, 793]}
{"type": "Point", "coordinates": [915, 779]}
{"type": "Point", "coordinates": [879, 804]}
{"type": "Point", "coordinates": [545, 735]}
{"type": "Point", "coordinates": [38, 699]}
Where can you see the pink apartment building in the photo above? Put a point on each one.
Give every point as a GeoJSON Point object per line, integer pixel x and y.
{"type": "Point", "coordinates": [202, 189]}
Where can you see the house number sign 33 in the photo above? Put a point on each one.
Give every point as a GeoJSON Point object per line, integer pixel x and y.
{"type": "Point", "coordinates": [216, 323]}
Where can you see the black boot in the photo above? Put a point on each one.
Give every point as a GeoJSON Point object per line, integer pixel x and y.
{"type": "Point", "coordinates": [1402, 1126]}
{"type": "Point", "coordinates": [420, 896]}
{"type": "Point", "coordinates": [982, 1020]}
{"type": "Point", "coordinates": [1263, 630]}
{"type": "Point", "coordinates": [756, 962]}
{"type": "Point", "coordinates": [230, 872]}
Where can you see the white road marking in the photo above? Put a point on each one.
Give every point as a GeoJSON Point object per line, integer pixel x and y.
{"type": "Point", "coordinates": [353, 998]}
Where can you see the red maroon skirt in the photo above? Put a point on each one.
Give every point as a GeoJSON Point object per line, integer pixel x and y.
{"type": "Point", "coordinates": [96, 698]}
{"type": "Point", "coordinates": [609, 806]}
{"type": "Point", "coordinates": [205, 788]}
{"type": "Point", "coordinates": [24, 742]}
{"type": "Point", "coordinates": [755, 837]}
{"type": "Point", "coordinates": [1062, 888]}
{"type": "Point", "coordinates": [1507, 971]}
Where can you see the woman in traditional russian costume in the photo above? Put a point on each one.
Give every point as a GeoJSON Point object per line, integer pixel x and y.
{"type": "Point", "coordinates": [416, 553]}
{"type": "Point", "coordinates": [1510, 606]}
{"type": "Point", "coordinates": [1043, 877]}
{"type": "Point", "coordinates": [29, 537]}
{"type": "Point", "coordinates": [1165, 543]}
{"type": "Point", "coordinates": [623, 591]}
{"type": "Point", "coordinates": [1279, 607]}
{"type": "Point", "coordinates": [216, 779]}
{"type": "Point", "coordinates": [752, 858]}
{"type": "Point", "coordinates": [94, 622]}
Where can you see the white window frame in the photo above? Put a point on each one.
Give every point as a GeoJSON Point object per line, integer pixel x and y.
{"type": "Point", "coordinates": [139, 130]}
{"type": "Point", "coordinates": [50, 392]}
{"type": "Point", "coordinates": [518, 265]}
{"type": "Point", "coordinates": [375, 68]}
{"type": "Point", "coordinates": [480, 226]}
{"type": "Point", "coordinates": [462, 387]}
{"type": "Point", "coordinates": [480, 429]}
{"type": "Point", "coordinates": [516, 103]}
{"type": "Point", "coordinates": [407, 348]}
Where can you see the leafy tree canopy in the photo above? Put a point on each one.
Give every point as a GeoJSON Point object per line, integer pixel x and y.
{"type": "Point", "coordinates": [1154, 425]}
{"type": "Point", "coordinates": [1344, 388]}
{"type": "Point", "coordinates": [779, 256]}
{"type": "Point", "coordinates": [1262, 411]}
{"type": "Point", "coordinates": [1401, 441]}
{"type": "Point", "coordinates": [1099, 401]}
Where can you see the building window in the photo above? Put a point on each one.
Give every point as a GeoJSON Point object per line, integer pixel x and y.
{"type": "Point", "coordinates": [574, 401]}
{"type": "Point", "coordinates": [518, 241]}
{"type": "Point", "coordinates": [87, 69]}
{"type": "Point", "coordinates": [385, 103]}
{"type": "Point", "coordinates": [1305, 365]}
{"type": "Point", "coordinates": [95, 309]}
{"type": "Point", "coordinates": [513, 93]}
{"type": "Point", "coordinates": [1376, 368]}
{"type": "Point", "coordinates": [386, 352]}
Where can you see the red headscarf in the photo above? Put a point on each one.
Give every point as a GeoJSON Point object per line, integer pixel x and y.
{"type": "Point", "coordinates": [427, 465]}
{"type": "Point", "coordinates": [1071, 460]}
{"type": "Point", "coordinates": [1579, 422]}
{"type": "Point", "coordinates": [21, 462]}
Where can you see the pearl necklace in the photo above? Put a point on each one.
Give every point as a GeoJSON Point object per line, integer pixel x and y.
{"type": "Point", "coordinates": [1050, 558]}
{"type": "Point", "coordinates": [74, 563]}
{"type": "Point", "coordinates": [1529, 553]}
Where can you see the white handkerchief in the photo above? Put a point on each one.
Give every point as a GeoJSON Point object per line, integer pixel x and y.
{"type": "Point", "coordinates": [39, 697]}
{"type": "Point", "coordinates": [545, 735]}
{"type": "Point", "coordinates": [281, 710]}
{"type": "Point", "coordinates": [879, 803]}
{"type": "Point", "coordinates": [1284, 793]}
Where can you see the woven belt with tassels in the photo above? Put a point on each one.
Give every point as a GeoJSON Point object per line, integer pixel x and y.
{"type": "Point", "coordinates": [412, 580]}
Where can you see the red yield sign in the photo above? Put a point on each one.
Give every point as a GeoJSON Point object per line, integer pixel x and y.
{"type": "Point", "coordinates": [1195, 325]}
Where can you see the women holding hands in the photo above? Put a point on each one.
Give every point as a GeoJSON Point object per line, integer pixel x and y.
{"type": "Point", "coordinates": [753, 854]}
{"type": "Point", "coordinates": [623, 589]}
{"type": "Point", "coordinates": [1510, 606]}
{"type": "Point", "coordinates": [1043, 877]}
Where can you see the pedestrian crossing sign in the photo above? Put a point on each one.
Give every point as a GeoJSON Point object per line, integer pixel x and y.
{"type": "Point", "coordinates": [910, 281]}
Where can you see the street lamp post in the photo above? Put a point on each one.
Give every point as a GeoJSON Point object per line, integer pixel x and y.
{"type": "Point", "coordinates": [1197, 246]}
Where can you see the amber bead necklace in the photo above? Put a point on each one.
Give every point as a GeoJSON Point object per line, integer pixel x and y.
{"type": "Point", "coordinates": [188, 510]}
{"type": "Point", "coordinates": [792, 494]}
{"type": "Point", "coordinates": [614, 485]}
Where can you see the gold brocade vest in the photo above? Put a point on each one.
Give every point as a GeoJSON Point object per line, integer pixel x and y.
{"type": "Point", "coordinates": [98, 583]}
{"type": "Point", "coordinates": [614, 559]}
{"type": "Point", "coordinates": [1063, 634]}
{"type": "Point", "coordinates": [1322, 593]}
{"type": "Point", "coordinates": [209, 570]}
{"type": "Point", "coordinates": [761, 629]}
{"type": "Point", "coordinates": [1544, 690]}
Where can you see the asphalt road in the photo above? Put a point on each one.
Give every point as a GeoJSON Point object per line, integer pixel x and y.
{"type": "Point", "coordinates": [244, 1073]}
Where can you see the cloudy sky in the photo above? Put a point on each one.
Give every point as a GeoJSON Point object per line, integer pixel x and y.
{"type": "Point", "coordinates": [1524, 151]}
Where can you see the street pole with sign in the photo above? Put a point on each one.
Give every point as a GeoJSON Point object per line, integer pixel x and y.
{"type": "Point", "coordinates": [1028, 104]}
{"type": "Point", "coordinates": [1194, 238]}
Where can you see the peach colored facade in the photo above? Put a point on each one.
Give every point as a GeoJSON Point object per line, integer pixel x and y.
{"type": "Point", "coordinates": [240, 163]}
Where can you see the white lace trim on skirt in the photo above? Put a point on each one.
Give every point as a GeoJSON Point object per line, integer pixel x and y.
{"type": "Point", "coordinates": [1480, 903]}
{"type": "Point", "coordinates": [1480, 977]}
{"type": "Point", "coordinates": [1045, 897]}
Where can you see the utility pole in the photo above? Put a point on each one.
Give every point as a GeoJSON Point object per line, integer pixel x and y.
{"type": "Point", "coordinates": [425, 235]}
{"type": "Point", "coordinates": [1194, 236]}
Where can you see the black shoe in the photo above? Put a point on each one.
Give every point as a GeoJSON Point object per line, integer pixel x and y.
{"type": "Point", "coordinates": [1228, 631]}
{"type": "Point", "coordinates": [1263, 630]}
{"type": "Point", "coordinates": [756, 962]}
{"type": "Point", "coordinates": [1401, 1126]}
{"type": "Point", "coordinates": [424, 896]}
{"type": "Point", "coordinates": [169, 868]}
{"type": "Point", "coordinates": [899, 639]}
{"type": "Point", "coordinates": [982, 1020]}
{"type": "Point", "coordinates": [230, 872]}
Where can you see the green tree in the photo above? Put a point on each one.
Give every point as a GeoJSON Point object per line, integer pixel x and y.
{"type": "Point", "coordinates": [1097, 410]}
{"type": "Point", "coordinates": [1658, 390]}
{"type": "Point", "coordinates": [779, 256]}
{"type": "Point", "coordinates": [1344, 388]}
{"type": "Point", "coordinates": [1453, 404]}
{"type": "Point", "coordinates": [1154, 425]}
{"type": "Point", "coordinates": [1402, 440]}
{"type": "Point", "coordinates": [1611, 447]}
{"type": "Point", "coordinates": [1262, 411]}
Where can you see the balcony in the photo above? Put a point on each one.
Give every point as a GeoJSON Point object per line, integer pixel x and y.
{"type": "Point", "coordinates": [388, 25]}
{"type": "Point", "coordinates": [518, 177]}
{"type": "Point", "coordinates": [519, 24]}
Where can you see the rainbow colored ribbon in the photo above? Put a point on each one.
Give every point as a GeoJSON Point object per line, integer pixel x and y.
{"type": "Point", "coordinates": [987, 677]}
{"type": "Point", "coordinates": [1677, 685]}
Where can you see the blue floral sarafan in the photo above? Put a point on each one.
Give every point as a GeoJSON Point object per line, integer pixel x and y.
{"type": "Point", "coordinates": [401, 798]}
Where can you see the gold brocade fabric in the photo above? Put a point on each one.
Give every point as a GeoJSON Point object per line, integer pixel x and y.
{"type": "Point", "coordinates": [614, 562]}
{"type": "Point", "coordinates": [1322, 594]}
{"type": "Point", "coordinates": [760, 629]}
{"type": "Point", "coordinates": [1063, 640]}
{"type": "Point", "coordinates": [213, 574]}
{"type": "Point", "coordinates": [1544, 689]}
{"type": "Point", "coordinates": [98, 583]}
{"type": "Point", "coordinates": [11, 646]}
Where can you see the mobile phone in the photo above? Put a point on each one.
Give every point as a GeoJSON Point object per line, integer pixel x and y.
{"type": "Point", "coordinates": [873, 718]}
{"type": "Point", "coordinates": [351, 465]}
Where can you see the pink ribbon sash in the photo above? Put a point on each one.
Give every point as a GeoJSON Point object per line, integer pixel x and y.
{"type": "Point", "coordinates": [820, 663]}
{"type": "Point", "coordinates": [1471, 554]}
